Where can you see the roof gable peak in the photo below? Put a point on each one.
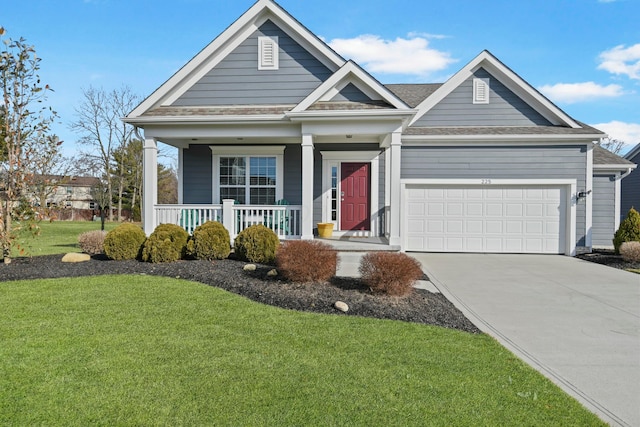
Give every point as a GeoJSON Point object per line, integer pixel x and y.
{"type": "Point", "coordinates": [508, 78]}
{"type": "Point", "coordinates": [227, 41]}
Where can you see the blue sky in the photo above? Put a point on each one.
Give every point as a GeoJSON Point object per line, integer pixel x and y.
{"type": "Point", "coordinates": [583, 54]}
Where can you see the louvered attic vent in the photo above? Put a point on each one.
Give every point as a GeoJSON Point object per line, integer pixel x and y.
{"type": "Point", "coordinates": [268, 53]}
{"type": "Point", "coordinates": [480, 91]}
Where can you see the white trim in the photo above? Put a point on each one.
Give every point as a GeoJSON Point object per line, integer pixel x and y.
{"type": "Point", "coordinates": [578, 139]}
{"type": "Point", "coordinates": [218, 151]}
{"type": "Point", "coordinates": [617, 198]}
{"type": "Point", "coordinates": [508, 78]}
{"type": "Point", "coordinates": [330, 158]}
{"type": "Point", "coordinates": [588, 226]}
{"type": "Point", "coordinates": [149, 184]}
{"type": "Point", "coordinates": [307, 187]}
{"type": "Point", "coordinates": [351, 73]}
{"type": "Point", "coordinates": [570, 200]}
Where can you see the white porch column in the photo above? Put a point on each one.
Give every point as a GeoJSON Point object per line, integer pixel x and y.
{"type": "Point", "coordinates": [149, 184]}
{"type": "Point", "coordinates": [307, 187]}
{"type": "Point", "coordinates": [394, 202]}
{"type": "Point", "coordinates": [180, 175]}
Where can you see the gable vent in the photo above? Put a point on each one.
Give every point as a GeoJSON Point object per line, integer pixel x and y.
{"type": "Point", "coordinates": [268, 53]}
{"type": "Point", "coordinates": [480, 91]}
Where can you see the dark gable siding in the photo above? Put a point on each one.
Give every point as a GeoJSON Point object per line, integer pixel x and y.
{"type": "Point", "coordinates": [197, 175]}
{"type": "Point", "coordinates": [236, 80]}
{"type": "Point", "coordinates": [509, 162]}
{"type": "Point", "coordinates": [505, 108]}
{"type": "Point", "coordinates": [351, 93]}
{"type": "Point", "coordinates": [603, 210]}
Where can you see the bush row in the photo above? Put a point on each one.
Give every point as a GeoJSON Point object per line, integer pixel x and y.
{"type": "Point", "coordinates": [304, 261]}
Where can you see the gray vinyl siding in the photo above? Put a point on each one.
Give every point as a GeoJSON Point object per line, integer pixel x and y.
{"type": "Point", "coordinates": [351, 93]}
{"type": "Point", "coordinates": [509, 162]}
{"type": "Point", "coordinates": [236, 80]}
{"type": "Point", "coordinates": [317, 173]}
{"type": "Point", "coordinates": [504, 109]}
{"type": "Point", "coordinates": [603, 224]}
{"type": "Point", "coordinates": [197, 175]}
{"type": "Point", "coordinates": [630, 190]}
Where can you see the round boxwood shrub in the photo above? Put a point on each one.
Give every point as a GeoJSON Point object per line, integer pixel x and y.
{"type": "Point", "coordinates": [124, 242]}
{"type": "Point", "coordinates": [257, 244]}
{"type": "Point", "coordinates": [209, 241]}
{"type": "Point", "coordinates": [629, 230]}
{"type": "Point", "coordinates": [167, 243]}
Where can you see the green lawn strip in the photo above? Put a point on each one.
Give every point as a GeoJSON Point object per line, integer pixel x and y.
{"type": "Point", "coordinates": [634, 270]}
{"type": "Point", "coordinates": [59, 237]}
{"type": "Point", "coordinates": [141, 350]}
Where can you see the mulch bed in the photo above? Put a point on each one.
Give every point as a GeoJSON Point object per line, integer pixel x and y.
{"type": "Point", "coordinates": [420, 306]}
{"type": "Point", "coordinates": [609, 258]}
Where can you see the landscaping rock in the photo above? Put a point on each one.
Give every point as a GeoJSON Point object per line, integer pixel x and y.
{"type": "Point", "coordinates": [76, 257]}
{"type": "Point", "coordinates": [342, 306]}
{"type": "Point", "coordinates": [272, 273]}
{"type": "Point", "coordinates": [249, 267]}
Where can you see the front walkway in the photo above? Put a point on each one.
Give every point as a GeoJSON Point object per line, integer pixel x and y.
{"type": "Point", "coordinates": [576, 322]}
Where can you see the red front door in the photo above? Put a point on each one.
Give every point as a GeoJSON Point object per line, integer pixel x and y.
{"type": "Point", "coordinates": [354, 200]}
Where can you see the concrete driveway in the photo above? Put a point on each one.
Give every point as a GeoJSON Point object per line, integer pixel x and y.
{"type": "Point", "coordinates": [576, 322]}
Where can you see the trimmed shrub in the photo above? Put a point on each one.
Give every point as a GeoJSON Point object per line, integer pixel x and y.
{"type": "Point", "coordinates": [629, 230]}
{"type": "Point", "coordinates": [307, 261]}
{"type": "Point", "coordinates": [209, 241]}
{"type": "Point", "coordinates": [92, 242]}
{"type": "Point", "coordinates": [124, 242]}
{"type": "Point", "coordinates": [630, 251]}
{"type": "Point", "coordinates": [167, 243]}
{"type": "Point", "coordinates": [256, 244]}
{"type": "Point", "coordinates": [391, 273]}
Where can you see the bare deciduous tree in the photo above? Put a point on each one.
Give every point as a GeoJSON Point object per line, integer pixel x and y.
{"type": "Point", "coordinates": [100, 128]}
{"type": "Point", "coordinates": [611, 144]}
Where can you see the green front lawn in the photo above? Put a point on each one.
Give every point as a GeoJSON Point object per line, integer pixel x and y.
{"type": "Point", "coordinates": [59, 237]}
{"type": "Point", "coordinates": [141, 350]}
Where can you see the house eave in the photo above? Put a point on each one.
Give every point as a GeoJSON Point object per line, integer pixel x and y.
{"type": "Point", "coordinates": [226, 119]}
{"type": "Point", "coordinates": [581, 138]}
{"type": "Point", "coordinates": [349, 115]}
{"type": "Point", "coordinates": [614, 168]}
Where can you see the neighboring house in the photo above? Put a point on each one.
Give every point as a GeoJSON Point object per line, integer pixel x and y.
{"type": "Point", "coordinates": [631, 184]}
{"type": "Point", "coordinates": [608, 171]}
{"type": "Point", "coordinates": [272, 126]}
{"type": "Point", "coordinates": [65, 191]}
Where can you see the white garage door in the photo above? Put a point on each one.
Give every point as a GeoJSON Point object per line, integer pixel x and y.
{"type": "Point", "coordinates": [496, 219]}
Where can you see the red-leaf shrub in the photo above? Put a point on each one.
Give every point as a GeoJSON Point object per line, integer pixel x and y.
{"type": "Point", "coordinates": [307, 261]}
{"type": "Point", "coordinates": [391, 273]}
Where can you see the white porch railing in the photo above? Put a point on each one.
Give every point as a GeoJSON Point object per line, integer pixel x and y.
{"type": "Point", "coordinates": [284, 220]}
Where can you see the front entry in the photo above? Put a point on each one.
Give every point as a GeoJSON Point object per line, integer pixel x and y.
{"type": "Point", "coordinates": [355, 212]}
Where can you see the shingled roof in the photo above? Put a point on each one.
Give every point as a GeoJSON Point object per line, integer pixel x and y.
{"type": "Point", "coordinates": [602, 156]}
{"type": "Point", "coordinates": [413, 94]}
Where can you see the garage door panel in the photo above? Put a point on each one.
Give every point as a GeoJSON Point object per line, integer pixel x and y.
{"type": "Point", "coordinates": [512, 219]}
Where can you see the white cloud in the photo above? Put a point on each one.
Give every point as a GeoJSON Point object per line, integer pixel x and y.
{"type": "Point", "coordinates": [627, 132]}
{"type": "Point", "coordinates": [622, 60]}
{"type": "Point", "coordinates": [579, 92]}
{"type": "Point", "coordinates": [411, 56]}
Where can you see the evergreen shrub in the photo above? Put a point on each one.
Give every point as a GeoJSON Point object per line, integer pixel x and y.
{"type": "Point", "coordinates": [256, 244]}
{"type": "Point", "coordinates": [124, 242]}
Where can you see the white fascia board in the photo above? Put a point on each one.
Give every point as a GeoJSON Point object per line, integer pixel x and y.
{"type": "Point", "coordinates": [483, 182]}
{"type": "Point", "coordinates": [205, 132]}
{"type": "Point", "coordinates": [346, 74]}
{"type": "Point", "coordinates": [614, 168]}
{"type": "Point", "coordinates": [178, 120]}
{"type": "Point", "coordinates": [510, 79]}
{"type": "Point", "coordinates": [230, 38]}
{"type": "Point", "coordinates": [498, 139]}
{"type": "Point", "coordinates": [633, 152]}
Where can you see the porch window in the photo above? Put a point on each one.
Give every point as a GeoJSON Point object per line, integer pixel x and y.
{"type": "Point", "coordinates": [249, 175]}
{"type": "Point", "coordinates": [248, 178]}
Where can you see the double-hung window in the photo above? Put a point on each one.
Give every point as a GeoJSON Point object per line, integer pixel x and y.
{"type": "Point", "coordinates": [249, 175]}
